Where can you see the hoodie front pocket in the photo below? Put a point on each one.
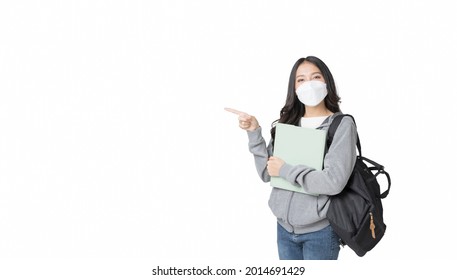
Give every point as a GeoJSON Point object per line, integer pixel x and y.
{"type": "Point", "coordinates": [303, 210]}
{"type": "Point", "coordinates": [279, 203]}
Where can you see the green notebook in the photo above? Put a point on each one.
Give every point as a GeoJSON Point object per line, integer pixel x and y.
{"type": "Point", "coordinates": [298, 145]}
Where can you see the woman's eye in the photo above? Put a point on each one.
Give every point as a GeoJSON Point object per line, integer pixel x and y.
{"type": "Point", "coordinates": [317, 77]}
{"type": "Point", "coordinates": [299, 80]}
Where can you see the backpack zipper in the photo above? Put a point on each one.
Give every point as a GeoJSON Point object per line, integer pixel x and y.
{"type": "Point", "coordinates": [372, 226]}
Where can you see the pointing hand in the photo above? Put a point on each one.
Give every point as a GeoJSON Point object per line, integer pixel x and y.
{"type": "Point", "coordinates": [246, 121]}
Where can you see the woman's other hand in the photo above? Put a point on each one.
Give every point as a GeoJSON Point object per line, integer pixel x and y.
{"type": "Point", "coordinates": [274, 164]}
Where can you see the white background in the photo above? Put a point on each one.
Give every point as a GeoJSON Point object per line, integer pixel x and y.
{"type": "Point", "coordinates": [114, 144]}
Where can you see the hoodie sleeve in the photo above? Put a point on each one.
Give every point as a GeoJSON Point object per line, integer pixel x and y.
{"type": "Point", "coordinates": [258, 147]}
{"type": "Point", "coordinates": [338, 164]}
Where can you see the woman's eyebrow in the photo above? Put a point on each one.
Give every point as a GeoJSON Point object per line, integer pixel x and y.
{"type": "Point", "coordinates": [303, 75]}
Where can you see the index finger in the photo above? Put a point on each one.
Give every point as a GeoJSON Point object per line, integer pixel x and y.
{"type": "Point", "coordinates": [239, 113]}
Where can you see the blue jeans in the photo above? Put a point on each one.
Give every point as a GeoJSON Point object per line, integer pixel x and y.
{"type": "Point", "coordinates": [319, 245]}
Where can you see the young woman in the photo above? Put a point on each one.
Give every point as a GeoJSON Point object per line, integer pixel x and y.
{"type": "Point", "coordinates": [303, 232]}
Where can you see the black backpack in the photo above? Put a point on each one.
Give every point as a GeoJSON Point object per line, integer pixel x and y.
{"type": "Point", "coordinates": [356, 214]}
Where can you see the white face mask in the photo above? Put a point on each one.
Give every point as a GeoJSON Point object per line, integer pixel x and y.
{"type": "Point", "coordinates": [311, 93]}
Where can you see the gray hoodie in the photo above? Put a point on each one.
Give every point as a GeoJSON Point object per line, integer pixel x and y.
{"type": "Point", "coordinates": [301, 213]}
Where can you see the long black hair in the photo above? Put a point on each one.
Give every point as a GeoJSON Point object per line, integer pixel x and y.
{"type": "Point", "coordinates": [293, 109]}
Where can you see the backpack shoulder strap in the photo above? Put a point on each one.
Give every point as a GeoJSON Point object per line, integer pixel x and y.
{"type": "Point", "coordinates": [376, 167]}
{"type": "Point", "coordinates": [334, 126]}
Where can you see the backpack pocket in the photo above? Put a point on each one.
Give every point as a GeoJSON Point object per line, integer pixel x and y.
{"type": "Point", "coordinates": [370, 232]}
